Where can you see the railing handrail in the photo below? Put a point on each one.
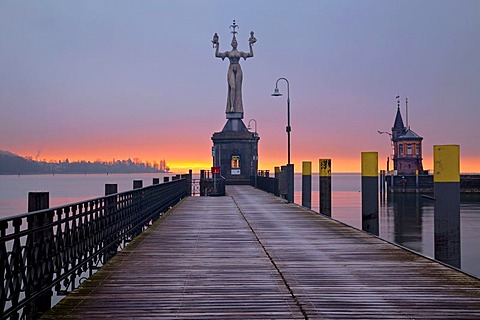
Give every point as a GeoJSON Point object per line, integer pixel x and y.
{"type": "Point", "coordinates": [26, 215]}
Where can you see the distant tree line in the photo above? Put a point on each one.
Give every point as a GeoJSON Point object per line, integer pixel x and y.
{"type": "Point", "coordinates": [14, 164]}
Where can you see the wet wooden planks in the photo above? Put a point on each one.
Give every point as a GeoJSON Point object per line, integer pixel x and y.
{"type": "Point", "coordinates": [200, 262]}
{"type": "Point", "coordinates": [338, 272]}
{"type": "Point", "coordinates": [250, 256]}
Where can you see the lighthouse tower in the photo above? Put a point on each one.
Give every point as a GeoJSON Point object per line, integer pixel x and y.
{"type": "Point", "coordinates": [407, 154]}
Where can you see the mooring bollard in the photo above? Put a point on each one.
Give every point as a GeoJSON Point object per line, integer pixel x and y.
{"type": "Point", "coordinates": [307, 184]}
{"type": "Point", "coordinates": [137, 184]}
{"type": "Point", "coordinates": [325, 186]}
{"type": "Point", "coordinates": [39, 201]}
{"type": "Point", "coordinates": [370, 192]}
{"type": "Point", "coordinates": [446, 222]}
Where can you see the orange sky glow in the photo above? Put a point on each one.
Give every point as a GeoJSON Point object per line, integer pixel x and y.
{"type": "Point", "coordinates": [181, 162]}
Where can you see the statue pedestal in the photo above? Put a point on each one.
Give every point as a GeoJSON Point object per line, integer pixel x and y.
{"type": "Point", "coordinates": [236, 152]}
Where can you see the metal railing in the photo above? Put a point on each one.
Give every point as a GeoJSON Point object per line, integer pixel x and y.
{"type": "Point", "coordinates": [266, 183]}
{"type": "Point", "coordinates": [211, 184]}
{"type": "Point", "coordinates": [52, 250]}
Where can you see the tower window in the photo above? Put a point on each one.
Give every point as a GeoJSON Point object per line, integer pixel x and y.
{"type": "Point", "coordinates": [409, 149]}
{"type": "Point", "coordinates": [400, 149]}
{"type": "Point", "coordinates": [235, 162]}
{"type": "Point", "coordinates": [418, 149]}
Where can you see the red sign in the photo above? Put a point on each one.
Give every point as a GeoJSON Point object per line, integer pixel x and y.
{"type": "Point", "coordinates": [215, 170]}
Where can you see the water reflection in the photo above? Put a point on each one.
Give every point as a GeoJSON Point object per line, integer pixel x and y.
{"type": "Point", "coordinates": [408, 220]}
{"type": "Point", "coordinates": [402, 220]}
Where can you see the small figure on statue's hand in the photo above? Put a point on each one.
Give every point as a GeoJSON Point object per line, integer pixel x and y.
{"type": "Point", "coordinates": [234, 74]}
{"type": "Point", "coordinates": [252, 39]}
{"type": "Point", "coordinates": [215, 40]}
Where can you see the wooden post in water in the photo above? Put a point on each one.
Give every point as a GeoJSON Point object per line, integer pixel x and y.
{"type": "Point", "coordinates": [370, 192]}
{"type": "Point", "coordinates": [290, 182]}
{"type": "Point", "coordinates": [111, 189]}
{"type": "Point", "coordinates": [277, 174]}
{"type": "Point", "coordinates": [416, 181]}
{"type": "Point", "coordinates": [392, 182]}
{"type": "Point", "coordinates": [307, 184]}
{"type": "Point", "coordinates": [137, 184]}
{"type": "Point", "coordinates": [325, 186]}
{"type": "Point", "coordinates": [39, 201]}
{"type": "Point", "coordinates": [189, 183]}
{"type": "Point", "coordinates": [446, 219]}
{"type": "Point", "coordinates": [156, 181]}
{"type": "Point", "coordinates": [382, 186]}
{"type": "Point", "coordinates": [382, 182]}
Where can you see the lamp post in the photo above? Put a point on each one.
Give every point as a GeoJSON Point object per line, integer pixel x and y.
{"type": "Point", "coordinates": [290, 178]}
{"type": "Point", "coordinates": [392, 154]}
{"type": "Point", "coordinates": [255, 151]}
{"type": "Point", "coordinates": [276, 93]}
{"type": "Point", "coordinates": [391, 146]}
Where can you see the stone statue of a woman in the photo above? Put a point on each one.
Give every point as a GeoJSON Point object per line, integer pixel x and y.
{"type": "Point", "coordinates": [234, 74]}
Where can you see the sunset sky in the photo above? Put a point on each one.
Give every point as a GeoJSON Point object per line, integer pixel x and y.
{"type": "Point", "coordinates": [124, 79]}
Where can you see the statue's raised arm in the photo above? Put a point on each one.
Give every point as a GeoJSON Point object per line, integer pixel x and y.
{"type": "Point", "coordinates": [216, 45]}
{"type": "Point", "coordinates": [251, 41]}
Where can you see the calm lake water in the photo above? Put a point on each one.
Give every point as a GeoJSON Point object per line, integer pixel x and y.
{"type": "Point", "coordinates": [404, 219]}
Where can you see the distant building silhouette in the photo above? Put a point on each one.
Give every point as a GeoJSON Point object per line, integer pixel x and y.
{"type": "Point", "coordinates": [407, 148]}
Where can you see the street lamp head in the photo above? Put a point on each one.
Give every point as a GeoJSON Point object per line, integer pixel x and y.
{"type": "Point", "coordinates": [276, 93]}
{"type": "Point", "coordinates": [250, 127]}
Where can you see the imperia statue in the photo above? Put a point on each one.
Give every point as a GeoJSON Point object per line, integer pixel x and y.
{"type": "Point", "coordinates": [234, 74]}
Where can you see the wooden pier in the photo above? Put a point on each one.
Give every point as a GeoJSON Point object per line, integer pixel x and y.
{"type": "Point", "coordinates": [249, 255]}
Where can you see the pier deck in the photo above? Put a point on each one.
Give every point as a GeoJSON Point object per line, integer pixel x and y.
{"type": "Point", "coordinates": [249, 255]}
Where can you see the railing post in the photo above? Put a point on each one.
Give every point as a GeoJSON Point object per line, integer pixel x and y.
{"type": "Point", "coordinates": [370, 192]}
{"type": "Point", "coordinates": [202, 183]}
{"type": "Point", "coordinates": [307, 184]}
{"type": "Point", "coordinates": [325, 186]}
{"type": "Point", "coordinates": [110, 209]}
{"type": "Point", "coordinates": [39, 254]}
{"type": "Point", "coordinates": [446, 222]}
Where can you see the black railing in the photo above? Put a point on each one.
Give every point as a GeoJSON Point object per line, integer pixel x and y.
{"type": "Point", "coordinates": [268, 184]}
{"type": "Point", "coordinates": [51, 250]}
{"type": "Point", "coordinates": [264, 182]}
{"type": "Point", "coordinates": [211, 184]}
